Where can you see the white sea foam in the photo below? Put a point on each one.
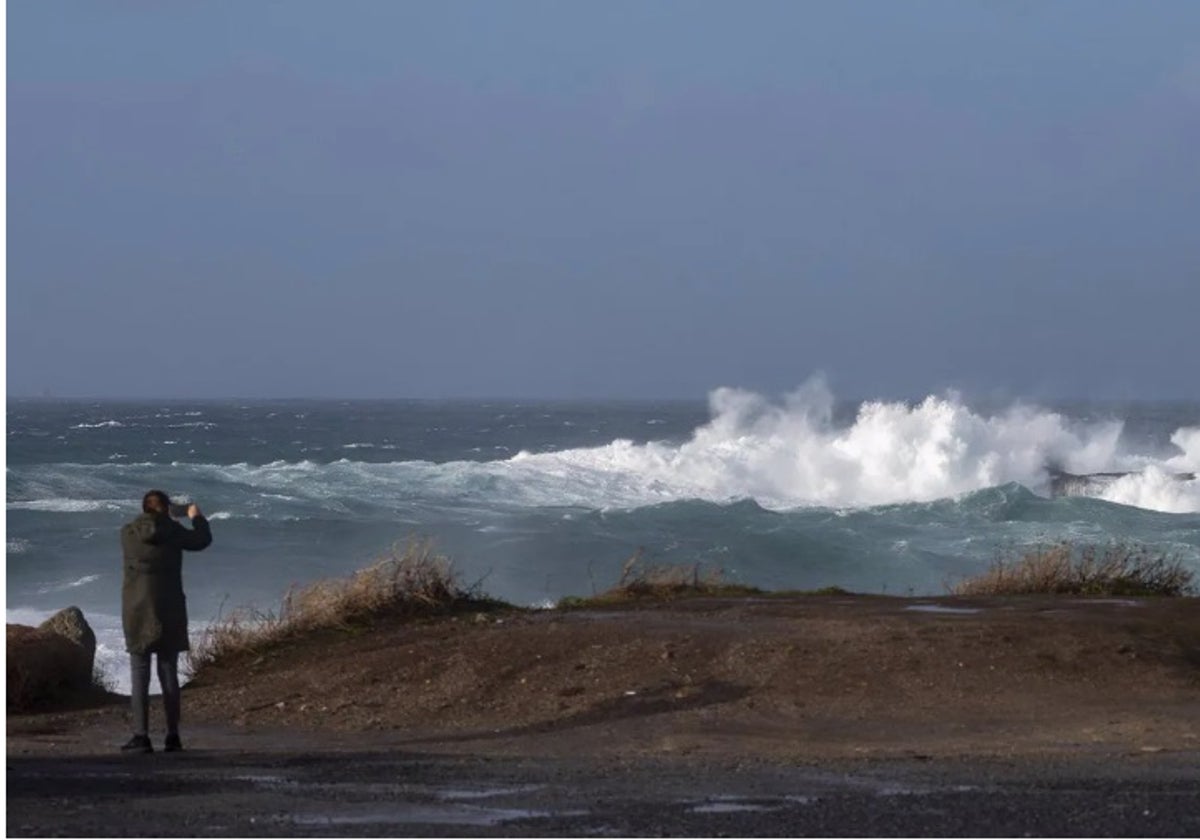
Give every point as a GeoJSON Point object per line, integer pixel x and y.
{"type": "Point", "coordinates": [104, 424]}
{"type": "Point", "coordinates": [111, 658]}
{"type": "Point", "coordinates": [1156, 489]}
{"type": "Point", "coordinates": [70, 505]}
{"type": "Point", "coordinates": [17, 546]}
{"type": "Point", "coordinates": [62, 586]}
{"type": "Point", "coordinates": [783, 454]}
{"type": "Point", "coordinates": [1188, 441]}
{"type": "Point", "coordinates": [790, 454]}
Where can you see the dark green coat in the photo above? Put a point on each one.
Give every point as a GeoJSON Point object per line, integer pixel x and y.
{"type": "Point", "coordinates": [153, 609]}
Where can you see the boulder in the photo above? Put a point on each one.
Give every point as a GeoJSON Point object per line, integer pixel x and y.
{"type": "Point", "coordinates": [50, 662]}
{"type": "Point", "coordinates": [71, 624]}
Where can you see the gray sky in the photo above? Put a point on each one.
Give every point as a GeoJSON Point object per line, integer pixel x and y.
{"type": "Point", "coordinates": [606, 199]}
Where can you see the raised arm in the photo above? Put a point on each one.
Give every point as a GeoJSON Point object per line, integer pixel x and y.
{"type": "Point", "coordinates": [196, 538]}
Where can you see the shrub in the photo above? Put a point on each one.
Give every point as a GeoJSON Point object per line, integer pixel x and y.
{"type": "Point", "coordinates": [824, 590]}
{"type": "Point", "coordinates": [645, 581]}
{"type": "Point", "coordinates": [1066, 569]}
{"type": "Point", "coordinates": [414, 582]}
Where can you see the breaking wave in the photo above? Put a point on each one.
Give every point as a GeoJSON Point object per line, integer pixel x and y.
{"type": "Point", "coordinates": [790, 455]}
{"type": "Point", "coordinates": [1155, 489]}
{"type": "Point", "coordinates": [784, 455]}
{"type": "Point", "coordinates": [62, 586]}
{"type": "Point", "coordinates": [69, 505]}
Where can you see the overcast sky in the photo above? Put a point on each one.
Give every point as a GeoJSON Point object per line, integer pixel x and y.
{"type": "Point", "coordinates": [455, 199]}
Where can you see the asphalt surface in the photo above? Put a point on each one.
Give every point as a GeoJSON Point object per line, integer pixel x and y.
{"type": "Point", "coordinates": [394, 793]}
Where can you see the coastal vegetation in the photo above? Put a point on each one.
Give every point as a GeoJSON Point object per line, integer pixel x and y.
{"type": "Point", "coordinates": [1064, 568]}
{"type": "Point", "coordinates": [416, 582]}
{"type": "Point", "coordinates": [413, 581]}
{"type": "Point", "coordinates": [642, 581]}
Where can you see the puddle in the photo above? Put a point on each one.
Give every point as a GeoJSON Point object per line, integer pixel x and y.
{"type": "Point", "coordinates": [729, 808]}
{"type": "Point", "coordinates": [108, 774]}
{"type": "Point", "coordinates": [731, 805]}
{"type": "Point", "coordinates": [919, 790]}
{"type": "Point", "coordinates": [485, 793]}
{"type": "Point", "coordinates": [265, 780]}
{"type": "Point", "coordinates": [902, 790]}
{"type": "Point", "coordinates": [939, 608]}
{"type": "Point", "coordinates": [883, 786]}
{"type": "Point", "coordinates": [446, 814]}
{"type": "Point", "coordinates": [271, 781]}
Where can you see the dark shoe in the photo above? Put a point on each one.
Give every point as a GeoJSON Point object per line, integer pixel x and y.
{"type": "Point", "coordinates": [138, 744]}
{"type": "Point", "coordinates": [172, 744]}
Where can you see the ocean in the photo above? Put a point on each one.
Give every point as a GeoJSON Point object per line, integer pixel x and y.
{"type": "Point", "coordinates": [537, 500]}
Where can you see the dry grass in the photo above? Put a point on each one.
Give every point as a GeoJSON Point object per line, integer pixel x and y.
{"type": "Point", "coordinates": [658, 582]}
{"type": "Point", "coordinates": [1066, 569]}
{"type": "Point", "coordinates": [412, 582]}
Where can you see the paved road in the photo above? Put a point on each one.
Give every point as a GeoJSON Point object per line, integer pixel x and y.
{"type": "Point", "coordinates": [239, 793]}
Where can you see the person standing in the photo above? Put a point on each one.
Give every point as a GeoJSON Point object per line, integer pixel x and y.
{"type": "Point", "coordinates": [154, 610]}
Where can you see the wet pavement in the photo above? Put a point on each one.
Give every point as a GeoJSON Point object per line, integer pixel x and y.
{"type": "Point", "coordinates": [393, 793]}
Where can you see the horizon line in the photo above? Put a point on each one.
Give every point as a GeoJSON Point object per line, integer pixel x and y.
{"type": "Point", "coordinates": [1011, 398]}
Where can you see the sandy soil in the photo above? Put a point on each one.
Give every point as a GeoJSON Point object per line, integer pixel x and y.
{"type": "Point", "coordinates": [711, 684]}
{"type": "Point", "coordinates": [805, 676]}
{"type": "Point", "coordinates": [786, 677]}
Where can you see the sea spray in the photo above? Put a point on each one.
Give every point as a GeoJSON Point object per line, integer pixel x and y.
{"type": "Point", "coordinates": [791, 454]}
{"type": "Point", "coordinates": [796, 492]}
{"type": "Point", "coordinates": [1155, 489]}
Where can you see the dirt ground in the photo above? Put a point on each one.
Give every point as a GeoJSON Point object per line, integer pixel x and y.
{"type": "Point", "coordinates": [807, 676]}
{"type": "Point", "coordinates": [781, 682]}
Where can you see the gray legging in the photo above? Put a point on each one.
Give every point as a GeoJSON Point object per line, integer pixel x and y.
{"type": "Point", "coordinates": [139, 694]}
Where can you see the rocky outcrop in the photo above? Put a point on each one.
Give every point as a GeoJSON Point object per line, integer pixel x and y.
{"type": "Point", "coordinates": [49, 662]}
{"type": "Point", "coordinates": [1092, 484]}
{"type": "Point", "coordinates": [71, 624]}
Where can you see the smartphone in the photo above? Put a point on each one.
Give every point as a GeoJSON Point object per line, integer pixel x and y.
{"type": "Point", "coordinates": [179, 509]}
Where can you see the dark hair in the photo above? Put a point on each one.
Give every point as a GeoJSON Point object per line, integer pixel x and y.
{"type": "Point", "coordinates": [156, 501]}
